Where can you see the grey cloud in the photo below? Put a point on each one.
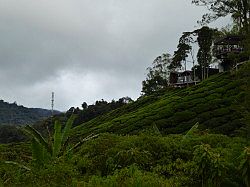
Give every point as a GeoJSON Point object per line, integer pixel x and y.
{"type": "Point", "coordinates": [84, 50]}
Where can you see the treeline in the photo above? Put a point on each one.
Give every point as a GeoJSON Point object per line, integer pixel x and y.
{"type": "Point", "coordinates": [13, 114]}
{"type": "Point", "coordinates": [101, 107]}
{"type": "Point", "coordinates": [13, 134]}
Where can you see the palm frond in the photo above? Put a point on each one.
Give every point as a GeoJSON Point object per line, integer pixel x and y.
{"type": "Point", "coordinates": [67, 128]}
{"type": "Point", "coordinates": [37, 136]}
{"type": "Point", "coordinates": [37, 152]}
{"type": "Point", "coordinates": [191, 131]}
{"type": "Point", "coordinates": [17, 164]}
{"type": "Point", "coordinates": [57, 139]}
{"type": "Point", "coordinates": [91, 136]}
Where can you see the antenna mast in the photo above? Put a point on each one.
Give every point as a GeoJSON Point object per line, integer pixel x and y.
{"type": "Point", "coordinates": [52, 103]}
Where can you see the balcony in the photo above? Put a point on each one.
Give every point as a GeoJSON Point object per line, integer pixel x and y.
{"type": "Point", "coordinates": [182, 79]}
{"type": "Point", "coordinates": [231, 44]}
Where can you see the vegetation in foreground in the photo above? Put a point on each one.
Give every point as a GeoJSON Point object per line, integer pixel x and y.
{"type": "Point", "coordinates": [148, 159]}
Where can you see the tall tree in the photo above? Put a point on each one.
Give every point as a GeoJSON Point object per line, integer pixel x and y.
{"type": "Point", "coordinates": [239, 10]}
{"type": "Point", "coordinates": [204, 55]}
{"type": "Point", "coordinates": [204, 37]}
{"type": "Point", "coordinates": [183, 49]}
{"type": "Point", "coordinates": [84, 105]}
{"type": "Point", "coordinates": [157, 77]}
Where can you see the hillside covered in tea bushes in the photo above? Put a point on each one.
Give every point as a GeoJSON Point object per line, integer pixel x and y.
{"type": "Point", "coordinates": [218, 104]}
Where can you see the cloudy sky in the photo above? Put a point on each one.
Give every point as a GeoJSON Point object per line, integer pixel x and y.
{"type": "Point", "coordinates": [85, 50]}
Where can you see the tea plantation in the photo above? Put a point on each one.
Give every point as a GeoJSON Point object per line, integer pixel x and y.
{"type": "Point", "coordinates": [145, 143]}
{"type": "Point", "coordinates": [218, 104]}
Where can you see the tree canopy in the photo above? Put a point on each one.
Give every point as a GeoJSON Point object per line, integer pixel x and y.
{"type": "Point", "coordinates": [157, 77]}
{"type": "Point", "coordinates": [183, 49]}
{"type": "Point", "coordinates": [204, 56]}
{"type": "Point", "coordinates": [239, 10]}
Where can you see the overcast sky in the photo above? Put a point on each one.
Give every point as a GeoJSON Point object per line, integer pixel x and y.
{"type": "Point", "coordinates": [85, 50]}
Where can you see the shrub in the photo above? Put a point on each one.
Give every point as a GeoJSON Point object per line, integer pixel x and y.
{"type": "Point", "coordinates": [213, 96]}
{"type": "Point", "coordinates": [221, 112]}
{"type": "Point", "coordinates": [182, 116]}
{"type": "Point", "coordinates": [55, 174]}
{"type": "Point", "coordinates": [130, 176]}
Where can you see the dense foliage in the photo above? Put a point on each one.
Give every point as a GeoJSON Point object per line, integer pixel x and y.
{"type": "Point", "coordinates": [13, 114]}
{"type": "Point", "coordinates": [158, 75]}
{"type": "Point", "coordinates": [90, 112]}
{"type": "Point", "coordinates": [11, 134]}
{"type": "Point", "coordinates": [148, 159]}
{"type": "Point", "coordinates": [237, 9]}
{"type": "Point", "coordinates": [204, 55]}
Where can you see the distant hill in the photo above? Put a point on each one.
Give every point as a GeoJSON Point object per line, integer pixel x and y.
{"type": "Point", "coordinates": [13, 114]}
{"type": "Point", "coordinates": [218, 104]}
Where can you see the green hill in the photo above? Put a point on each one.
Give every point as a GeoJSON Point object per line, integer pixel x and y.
{"type": "Point", "coordinates": [217, 104]}
{"type": "Point", "coordinates": [13, 114]}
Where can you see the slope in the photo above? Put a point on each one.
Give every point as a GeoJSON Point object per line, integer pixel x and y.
{"type": "Point", "coordinates": [13, 114]}
{"type": "Point", "coordinates": [217, 104]}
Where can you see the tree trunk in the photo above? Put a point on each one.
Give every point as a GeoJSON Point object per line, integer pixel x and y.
{"type": "Point", "coordinates": [245, 11]}
{"type": "Point", "coordinates": [207, 71]}
{"type": "Point", "coordinates": [201, 72]}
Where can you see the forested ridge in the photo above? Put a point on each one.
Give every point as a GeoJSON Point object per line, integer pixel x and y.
{"type": "Point", "coordinates": [13, 114]}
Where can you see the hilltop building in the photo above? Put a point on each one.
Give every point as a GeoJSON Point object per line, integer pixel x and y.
{"type": "Point", "coordinates": [228, 50]}
{"type": "Point", "coordinates": [182, 79]}
{"type": "Point", "coordinates": [188, 77]}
